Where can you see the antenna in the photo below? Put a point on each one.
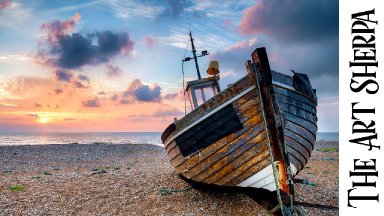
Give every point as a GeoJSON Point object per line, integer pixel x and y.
{"type": "Point", "coordinates": [203, 53]}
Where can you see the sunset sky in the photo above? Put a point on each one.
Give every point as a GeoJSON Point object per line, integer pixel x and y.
{"type": "Point", "coordinates": [109, 65]}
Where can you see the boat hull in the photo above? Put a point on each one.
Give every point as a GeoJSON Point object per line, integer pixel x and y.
{"type": "Point", "coordinates": [234, 158]}
{"type": "Point", "coordinates": [300, 126]}
{"type": "Point", "coordinates": [256, 133]}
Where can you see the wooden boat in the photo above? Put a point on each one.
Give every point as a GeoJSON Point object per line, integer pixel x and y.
{"type": "Point", "coordinates": [259, 132]}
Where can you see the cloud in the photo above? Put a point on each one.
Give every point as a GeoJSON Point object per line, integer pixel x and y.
{"type": "Point", "coordinates": [178, 37]}
{"type": "Point", "coordinates": [77, 50]}
{"type": "Point", "coordinates": [15, 15]}
{"type": "Point", "coordinates": [32, 115]}
{"type": "Point", "coordinates": [234, 56]}
{"type": "Point", "coordinates": [317, 59]}
{"type": "Point", "coordinates": [64, 76]}
{"type": "Point", "coordinates": [174, 8]}
{"type": "Point", "coordinates": [143, 92]}
{"type": "Point", "coordinates": [126, 101]}
{"type": "Point", "coordinates": [83, 77]}
{"type": "Point", "coordinates": [148, 40]}
{"type": "Point", "coordinates": [302, 36]}
{"type": "Point", "coordinates": [57, 29]}
{"type": "Point", "coordinates": [91, 103]}
{"type": "Point", "coordinates": [16, 58]}
{"type": "Point", "coordinates": [19, 88]}
{"type": "Point", "coordinates": [70, 51]}
{"type": "Point", "coordinates": [217, 8]}
{"type": "Point", "coordinates": [58, 91]}
{"type": "Point", "coordinates": [227, 23]}
{"type": "Point", "coordinates": [78, 84]}
{"type": "Point", "coordinates": [169, 112]}
{"type": "Point", "coordinates": [37, 105]}
{"type": "Point", "coordinates": [4, 4]}
{"type": "Point", "coordinates": [292, 20]}
{"type": "Point", "coordinates": [81, 82]}
{"type": "Point", "coordinates": [113, 71]}
{"type": "Point", "coordinates": [171, 96]}
{"type": "Point", "coordinates": [114, 97]}
{"type": "Point", "coordinates": [7, 104]}
{"type": "Point", "coordinates": [134, 9]}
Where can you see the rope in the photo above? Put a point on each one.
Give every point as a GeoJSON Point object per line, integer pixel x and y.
{"type": "Point", "coordinates": [267, 135]}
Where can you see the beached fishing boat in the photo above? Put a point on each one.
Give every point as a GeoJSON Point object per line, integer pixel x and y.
{"type": "Point", "coordinates": [259, 132]}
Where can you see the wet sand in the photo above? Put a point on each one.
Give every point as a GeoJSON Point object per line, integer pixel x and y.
{"type": "Point", "coordinates": [104, 179]}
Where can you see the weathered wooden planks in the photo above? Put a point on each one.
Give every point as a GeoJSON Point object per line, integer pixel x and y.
{"type": "Point", "coordinates": [236, 164]}
{"type": "Point", "coordinates": [218, 126]}
{"type": "Point", "coordinates": [244, 107]}
{"type": "Point", "coordinates": [300, 120]}
{"type": "Point", "coordinates": [234, 152]}
{"type": "Point", "coordinates": [240, 137]}
{"type": "Point", "coordinates": [212, 103]}
{"type": "Point", "coordinates": [225, 146]}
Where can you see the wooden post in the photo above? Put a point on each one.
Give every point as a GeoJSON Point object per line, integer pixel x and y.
{"type": "Point", "coordinates": [260, 71]}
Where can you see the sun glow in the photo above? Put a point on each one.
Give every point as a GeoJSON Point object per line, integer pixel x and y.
{"type": "Point", "coordinates": [43, 120]}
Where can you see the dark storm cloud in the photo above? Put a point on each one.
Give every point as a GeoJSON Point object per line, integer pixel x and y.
{"type": "Point", "coordinates": [319, 60]}
{"type": "Point", "coordinates": [143, 92]}
{"type": "Point", "coordinates": [292, 20]}
{"type": "Point", "coordinates": [299, 35]}
{"type": "Point", "coordinates": [61, 49]}
{"type": "Point", "coordinates": [91, 103]}
{"type": "Point", "coordinates": [76, 50]}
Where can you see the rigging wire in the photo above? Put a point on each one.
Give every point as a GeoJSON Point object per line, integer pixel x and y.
{"type": "Point", "coordinates": [182, 71]}
{"type": "Point", "coordinates": [182, 66]}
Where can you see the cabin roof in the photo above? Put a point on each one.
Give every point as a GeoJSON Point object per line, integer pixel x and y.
{"type": "Point", "coordinates": [208, 81]}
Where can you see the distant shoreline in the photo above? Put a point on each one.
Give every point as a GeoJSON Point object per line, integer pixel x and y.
{"type": "Point", "coordinates": [64, 138]}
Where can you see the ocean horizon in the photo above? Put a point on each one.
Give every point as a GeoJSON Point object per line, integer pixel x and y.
{"type": "Point", "coordinates": [153, 138]}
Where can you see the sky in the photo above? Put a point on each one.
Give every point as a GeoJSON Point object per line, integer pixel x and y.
{"type": "Point", "coordinates": [109, 65]}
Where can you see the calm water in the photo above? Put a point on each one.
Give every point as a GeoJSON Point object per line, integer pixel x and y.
{"type": "Point", "coordinates": [328, 136]}
{"type": "Point", "coordinates": [34, 138]}
{"type": "Point", "coordinates": [108, 138]}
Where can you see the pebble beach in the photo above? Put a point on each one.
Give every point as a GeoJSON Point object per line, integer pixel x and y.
{"type": "Point", "coordinates": [127, 179]}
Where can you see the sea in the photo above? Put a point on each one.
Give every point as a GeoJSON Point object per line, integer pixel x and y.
{"type": "Point", "coordinates": [153, 138]}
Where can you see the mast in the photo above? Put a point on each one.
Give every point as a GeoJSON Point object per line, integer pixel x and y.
{"type": "Point", "coordinates": [203, 53]}
{"type": "Point", "coordinates": [194, 56]}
